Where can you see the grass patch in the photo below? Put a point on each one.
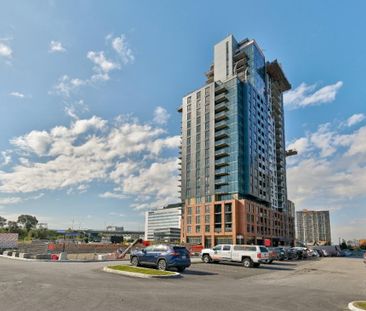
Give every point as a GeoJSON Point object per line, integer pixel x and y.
{"type": "Point", "coordinates": [140, 270]}
{"type": "Point", "coordinates": [360, 304]}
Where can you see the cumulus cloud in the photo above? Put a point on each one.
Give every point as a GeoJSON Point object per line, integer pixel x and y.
{"type": "Point", "coordinates": [74, 109]}
{"type": "Point", "coordinates": [5, 50]}
{"type": "Point", "coordinates": [120, 45]}
{"type": "Point", "coordinates": [330, 170]}
{"type": "Point", "coordinates": [354, 119]}
{"type": "Point", "coordinates": [161, 115]}
{"type": "Point", "coordinates": [126, 153]}
{"type": "Point", "coordinates": [56, 47]}
{"type": "Point", "coordinates": [307, 95]}
{"type": "Point", "coordinates": [102, 65]}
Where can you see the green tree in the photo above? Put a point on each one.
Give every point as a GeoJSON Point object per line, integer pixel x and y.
{"type": "Point", "coordinates": [13, 226]}
{"type": "Point", "coordinates": [2, 222]}
{"type": "Point", "coordinates": [28, 221]}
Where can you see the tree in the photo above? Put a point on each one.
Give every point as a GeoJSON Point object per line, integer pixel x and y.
{"type": "Point", "coordinates": [28, 221]}
{"type": "Point", "coordinates": [13, 226]}
{"type": "Point", "coordinates": [2, 222]}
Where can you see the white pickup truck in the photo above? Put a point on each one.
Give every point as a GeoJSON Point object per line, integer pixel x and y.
{"type": "Point", "coordinates": [249, 255]}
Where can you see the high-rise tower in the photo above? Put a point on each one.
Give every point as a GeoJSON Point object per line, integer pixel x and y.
{"type": "Point", "coordinates": [233, 158]}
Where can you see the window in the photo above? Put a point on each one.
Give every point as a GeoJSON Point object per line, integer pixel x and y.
{"type": "Point", "coordinates": [198, 95]}
{"type": "Point", "coordinates": [207, 219]}
{"type": "Point", "coordinates": [207, 91]}
{"type": "Point", "coordinates": [207, 209]}
{"type": "Point", "coordinates": [198, 219]}
{"type": "Point", "coordinates": [207, 228]}
{"type": "Point", "coordinates": [189, 220]}
{"type": "Point", "coordinates": [217, 248]}
{"type": "Point", "coordinates": [198, 229]}
{"type": "Point", "coordinates": [198, 210]}
{"type": "Point", "coordinates": [189, 229]}
{"type": "Point", "coordinates": [226, 248]}
{"type": "Point", "coordinates": [189, 210]}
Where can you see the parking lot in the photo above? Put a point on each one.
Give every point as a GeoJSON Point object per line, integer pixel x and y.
{"type": "Point", "coordinates": [325, 284]}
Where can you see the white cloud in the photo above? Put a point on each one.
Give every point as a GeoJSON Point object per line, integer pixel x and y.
{"type": "Point", "coordinates": [102, 65]}
{"type": "Point", "coordinates": [10, 200]}
{"type": "Point", "coordinates": [120, 45]}
{"type": "Point", "coordinates": [354, 119]}
{"type": "Point", "coordinates": [66, 85]}
{"type": "Point", "coordinates": [161, 115]}
{"type": "Point", "coordinates": [306, 95]}
{"type": "Point", "coordinates": [72, 110]}
{"type": "Point", "coordinates": [125, 153]}
{"type": "Point", "coordinates": [17, 94]}
{"type": "Point", "coordinates": [56, 46]}
{"type": "Point", "coordinates": [112, 195]}
{"type": "Point", "coordinates": [331, 169]}
{"type": "Point", "coordinates": [5, 50]}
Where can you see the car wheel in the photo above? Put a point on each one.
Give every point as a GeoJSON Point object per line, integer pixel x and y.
{"type": "Point", "coordinates": [134, 261]}
{"type": "Point", "coordinates": [247, 263]}
{"type": "Point", "coordinates": [206, 258]}
{"type": "Point", "coordinates": [181, 269]}
{"type": "Point", "coordinates": [162, 264]}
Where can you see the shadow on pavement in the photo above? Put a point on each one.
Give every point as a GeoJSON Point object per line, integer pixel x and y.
{"type": "Point", "coordinates": [196, 272]}
{"type": "Point", "coordinates": [274, 268]}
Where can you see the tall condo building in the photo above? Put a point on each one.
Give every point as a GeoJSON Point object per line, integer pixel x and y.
{"type": "Point", "coordinates": [233, 157]}
{"type": "Point", "coordinates": [313, 227]}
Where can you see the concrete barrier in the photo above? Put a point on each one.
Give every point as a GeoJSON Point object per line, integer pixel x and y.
{"type": "Point", "coordinates": [25, 255]}
{"type": "Point", "coordinates": [43, 256]}
{"type": "Point", "coordinates": [7, 253]}
{"type": "Point", "coordinates": [15, 254]}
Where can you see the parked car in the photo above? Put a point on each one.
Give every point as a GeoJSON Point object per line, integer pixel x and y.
{"type": "Point", "coordinates": [298, 253]}
{"type": "Point", "coordinates": [249, 255]}
{"type": "Point", "coordinates": [277, 253]}
{"type": "Point", "coordinates": [364, 258]}
{"type": "Point", "coordinates": [162, 257]}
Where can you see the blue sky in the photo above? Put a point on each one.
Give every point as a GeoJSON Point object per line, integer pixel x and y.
{"type": "Point", "coordinates": [89, 92]}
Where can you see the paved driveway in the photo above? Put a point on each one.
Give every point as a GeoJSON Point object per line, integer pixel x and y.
{"type": "Point", "coordinates": [327, 284]}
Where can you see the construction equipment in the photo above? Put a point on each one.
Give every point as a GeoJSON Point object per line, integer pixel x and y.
{"type": "Point", "coordinates": [121, 255]}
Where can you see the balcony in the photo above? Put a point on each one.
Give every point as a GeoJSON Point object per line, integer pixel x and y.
{"type": "Point", "coordinates": [221, 107]}
{"type": "Point", "coordinates": [221, 134]}
{"type": "Point", "coordinates": [222, 143]}
{"type": "Point", "coordinates": [221, 153]}
{"type": "Point", "coordinates": [224, 171]}
{"type": "Point", "coordinates": [221, 163]}
{"type": "Point", "coordinates": [220, 98]}
{"type": "Point", "coordinates": [220, 125]}
{"type": "Point", "coordinates": [221, 116]}
{"type": "Point", "coordinates": [220, 89]}
{"type": "Point", "coordinates": [221, 181]}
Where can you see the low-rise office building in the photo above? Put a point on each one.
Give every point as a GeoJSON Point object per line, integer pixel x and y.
{"type": "Point", "coordinates": [164, 221]}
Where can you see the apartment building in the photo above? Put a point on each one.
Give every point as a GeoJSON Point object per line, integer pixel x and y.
{"type": "Point", "coordinates": [233, 157]}
{"type": "Point", "coordinates": [313, 227]}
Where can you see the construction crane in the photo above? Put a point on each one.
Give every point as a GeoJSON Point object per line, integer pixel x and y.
{"type": "Point", "coordinates": [291, 152]}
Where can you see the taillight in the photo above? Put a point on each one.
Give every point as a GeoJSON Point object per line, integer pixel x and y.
{"type": "Point", "coordinates": [175, 254]}
{"type": "Point", "coordinates": [259, 255]}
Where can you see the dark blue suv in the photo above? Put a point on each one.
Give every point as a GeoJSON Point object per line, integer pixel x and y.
{"type": "Point", "coordinates": [162, 257]}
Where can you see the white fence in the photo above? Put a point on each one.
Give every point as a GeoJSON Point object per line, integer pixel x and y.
{"type": "Point", "coordinates": [8, 240]}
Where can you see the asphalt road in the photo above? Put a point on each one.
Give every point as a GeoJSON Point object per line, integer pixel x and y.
{"type": "Point", "coordinates": [327, 284]}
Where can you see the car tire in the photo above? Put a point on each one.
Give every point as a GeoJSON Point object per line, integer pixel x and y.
{"type": "Point", "coordinates": [135, 261]}
{"type": "Point", "coordinates": [206, 258]}
{"type": "Point", "coordinates": [247, 263]}
{"type": "Point", "coordinates": [181, 269]}
{"type": "Point", "coordinates": [162, 265]}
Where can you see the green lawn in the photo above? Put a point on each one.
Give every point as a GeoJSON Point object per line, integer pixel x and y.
{"type": "Point", "coordinates": [140, 270]}
{"type": "Point", "coordinates": [360, 304]}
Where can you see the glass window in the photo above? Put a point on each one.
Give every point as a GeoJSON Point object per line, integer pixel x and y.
{"type": "Point", "coordinates": [217, 248]}
{"type": "Point", "coordinates": [189, 210]}
{"type": "Point", "coordinates": [189, 229]}
{"type": "Point", "coordinates": [207, 219]}
{"type": "Point", "coordinates": [207, 228]}
{"type": "Point", "coordinates": [189, 220]}
{"type": "Point", "coordinates": [198, 210]}
{"type": "Point", "coordinates": [207, 209]}
{"type": "Point", "coordinates": [198, 229]}
{"type": "Point", "coordinates": [226, 248]}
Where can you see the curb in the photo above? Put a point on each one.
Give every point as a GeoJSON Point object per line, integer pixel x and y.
{"type": "Point", "coordinates": [141, 275]}
{"type": "Point", "coordinates": [55, 261]}
{"type": "Point", "coordinates": [352, 307]}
